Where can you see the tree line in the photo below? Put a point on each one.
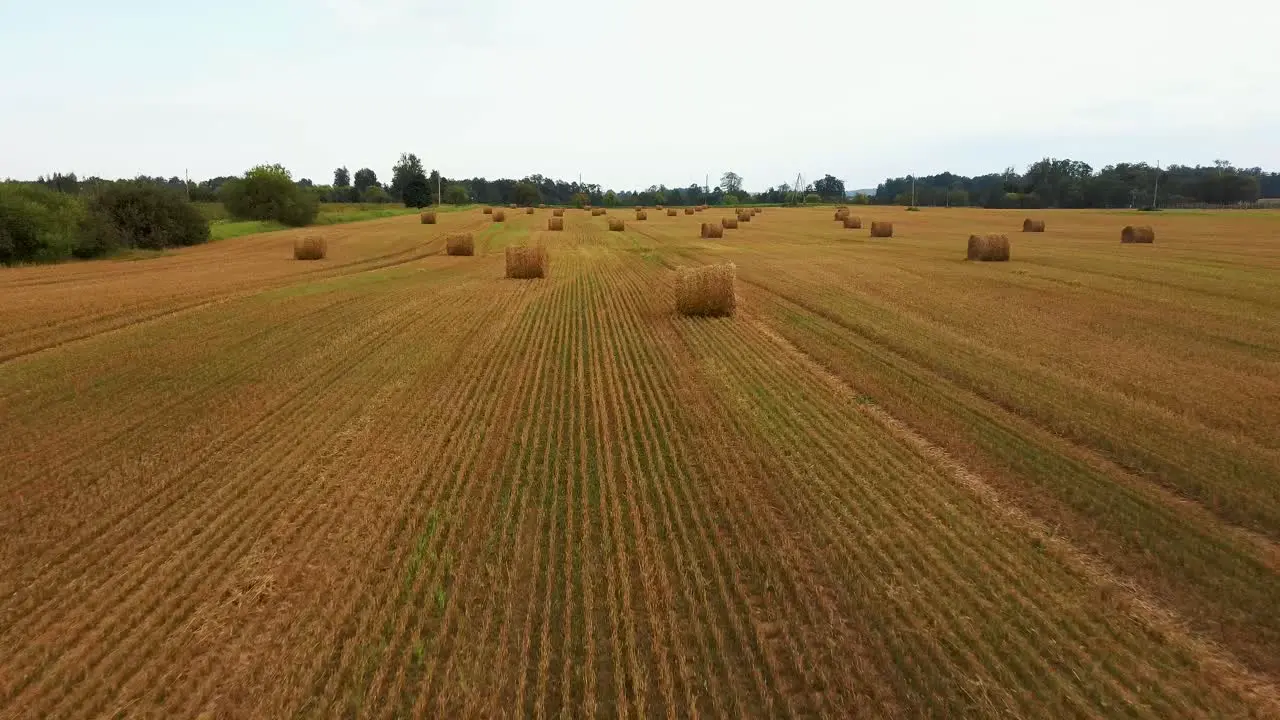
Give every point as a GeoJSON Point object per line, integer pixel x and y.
{"type": "Point", "coordinates": [62, 215]}
{"type": "Point", "coordinates": [1074, 184]}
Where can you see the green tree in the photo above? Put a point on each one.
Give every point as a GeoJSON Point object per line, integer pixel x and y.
{"type": "Point", "coordinates": [610, 199]}
{"type": "Point", "coordinates": [341, 178]}
{"type": "Point", "coordinates": [731, 182]}
{"type": "Point", "coordinates": [267, 192]}
{"type": "Point", "coordinates": [580, 199]}
{"type": "Point", "coordinates": [365, 179]}
{"type": "Point", "coordinates": [830, 188]}
{"type": "Point", "coordinates": [812, 199]}
{"type": "Point", "coordinates": [659, 198]}
{"type": "Point", "coordinates": [407, 170]}
{"type": "Point", "coordinates": [456, 195]}
{"type": "Point", "coordinates": [695, 194]}
{"type": "Point", "coordinates": [416, 194]}
{"type": "Point", "coordinates": [525, 193]}
{"type": "Point", "coordinates": [730, 199]}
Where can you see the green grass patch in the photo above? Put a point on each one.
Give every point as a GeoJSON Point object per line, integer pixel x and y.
{"type": "Point", "coordinates": [338, 215]}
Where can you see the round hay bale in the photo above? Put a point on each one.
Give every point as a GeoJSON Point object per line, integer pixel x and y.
{"type": "Point", "coordinates": [615, 224]}
{"type": "Point", "coordinates": [642, 215]}
{"type": "Point", "coordinates": [488, 211]}
{"type": "Point", "coordinates": [528, 211]}
{"type": "Point", "coordinates": [541, 205]}
{"type": "Point", "coordinates": [555, 223]}
{"type": "Point", "coordinates": [712, 230]}
{"type": "Point", "coordinates": [657, 207]}
{"type": "Point", "coordinates": [687, 211]}
{"type": "Point", "coordinates": [1137, 234]}
{"type": "Point", "coordinates": [852, 222]}
{"type": "Point", "coordinates": [881, 229]}
{"type": "Point", "coordinates": [841, 214]}
{"type": "Point", "coordinates": [459, 244]}
{"type": "Point", "coordinates": [310, 247]}
{"type": "Point", "coordinates": [512, 206]}
{"type": "Point", "coordinates": [729, 223]}
{"type": "Point", "coordinates": [671, 212]}
{"type": "Point", "coordinates": [1030, 225]}
{"type": "Point", "coordinates": [428, 218]}
{"type": "Point", "coordinates": [595, 212]}
{"type": "Point", "coordinates": [639, 208]}
{"type": "Point", "coordinates": [989, 248]}
{"type": "Point", "coordinates": [499, 216]}
{"type": "Point", "coordinates": [527, 262]}
{"type": "Point", "coordinates": [558, 212]}
{"type": "Point", "coordinates": [706, 291]}
{"type": "Point", "coordinates": [744, 216]}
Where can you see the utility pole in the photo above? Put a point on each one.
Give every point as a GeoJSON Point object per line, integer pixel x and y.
{"type": "Point", "coordinates": [186, 175]}
{"type": "Point", "coordinates": [1155, 192]}
{"type": "Point", "coordinates": [913, 190]}
{"type": "Point", "coordinates": [439, 182]}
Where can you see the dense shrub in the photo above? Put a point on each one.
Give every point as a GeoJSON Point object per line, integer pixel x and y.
{"type": "Point", "coordinates": [267, 192]}
{"type": "Point", "coordinates": [812, 199]}
{"type": "Point", "coordinates": [375, 194]}
{"type": "Point", "coordinates": [38, 224]}
{"type": "Point", "coordinates": [42, 225]}
{"type": "Point", "coordinates": [142, 216]}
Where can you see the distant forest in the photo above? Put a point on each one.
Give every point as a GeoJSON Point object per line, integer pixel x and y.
{"type": "Point", "coordinates": [1074, 184]}
{"type": "Point", "coordinates": [1047, 183]}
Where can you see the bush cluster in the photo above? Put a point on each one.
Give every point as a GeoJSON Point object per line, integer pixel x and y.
{"type": "Point", "coordinates": [267, 192]}
{"type": "Point", "coordinates": [38, 224]}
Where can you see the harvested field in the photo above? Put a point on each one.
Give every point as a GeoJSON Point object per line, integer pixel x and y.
{"type": "Point", "coordinates": [892, 483]}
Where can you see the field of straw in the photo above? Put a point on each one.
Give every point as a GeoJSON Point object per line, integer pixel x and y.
{"type": "Point", "coordinates": [892, 483]}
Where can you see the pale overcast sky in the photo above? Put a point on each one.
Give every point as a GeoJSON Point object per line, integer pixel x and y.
{"type": "Point", "coordinates": [633, 94]}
